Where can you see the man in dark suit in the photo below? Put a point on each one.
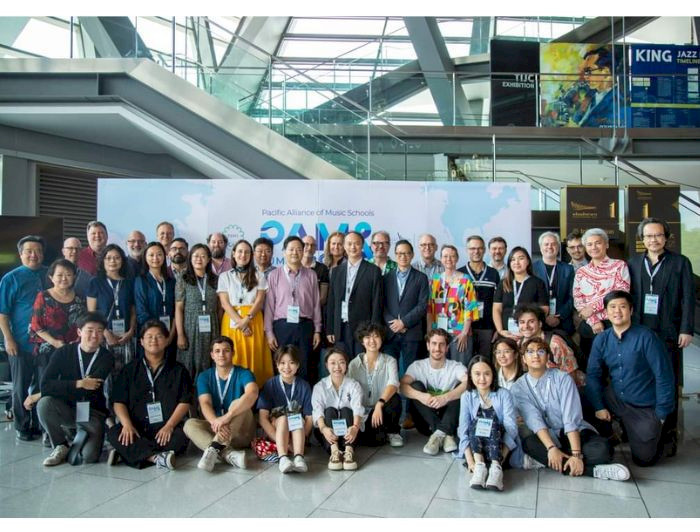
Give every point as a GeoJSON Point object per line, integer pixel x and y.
{"type": "Point", "coordinates": [558, 277]}
{"type": "Point", "coordinates": [356, 295]}
{"type": "Point", "coordinates": [663, 292]}
{"type": "Point", "coordinates": [405, 305]}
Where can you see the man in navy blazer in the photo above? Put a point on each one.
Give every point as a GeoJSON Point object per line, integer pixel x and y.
{"type": "Point", "coordinates": [558, 277]}
{"type": "Point", "coordinates": [663, 292]}
{"type": "Point", "coordinates": [406, 296]}
{"type": "Point", "coordinates": [355, 295]}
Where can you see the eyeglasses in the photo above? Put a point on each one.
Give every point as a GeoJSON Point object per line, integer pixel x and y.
{"type": "Point", "coordinates": [571, 248]}
{"type": "Point", "coordinates": [427, 245]}
{"type": "Point", "coordinates": [538, 352]}
{"type": "Point", "coordinates": [71, 248]}
{"type": "Point", "coordinates": [135, 241]}
{"type": "Point", "coordinates": [380, 243]}
{"type": "Point", "coordinates": [656, 235]}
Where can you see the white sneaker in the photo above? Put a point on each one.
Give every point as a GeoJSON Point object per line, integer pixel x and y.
{"type": "Point", "coordinates": [478, 480]}
{"type": "Point", "coordinates": [495, 480]}
{"type": "Point", "coordinates": [449, 444]}
{"type": "Point", "coordinates": [236, 458]}
{"type": "Point", "coordinates": [300, 464]}
{"type": "Point", "coordinates": [395, 440]}
{"type": "Point", "coordinates": [349, 463]}
{"type": "Point", "coordinates": [434, 444]}
{"type": "Point", "coordinates": [166, 460]}
{"type": "Point", "coordinates": [530, 463]}
{"type": "Point", "coordinates": [57, 456]}
{"type": "Point", "coordinates": [208, 459]}
{"type": "Point", "coordinates": [611, 472]}
{"type": "Point", "coordinates": [285, 464]}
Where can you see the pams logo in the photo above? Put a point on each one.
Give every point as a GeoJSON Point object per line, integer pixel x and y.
{"type": "Point", "coordinates": [582, 207]}
{"type": "Point", "coordinates": [234, 233]}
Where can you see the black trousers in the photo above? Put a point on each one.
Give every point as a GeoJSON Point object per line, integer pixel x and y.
{"type": "Point", "coordinates": [24, 372]}
{"type": "Point", "coordinates": [329, 414]}
{"type": "Point", "coordinates": [643, 429]}
{"type": "Point", "coordinates": [142, 448]}
{"type": "Point", "coordinates": [404, 351]}
{"type": "Point", "coordinates": [482, 342]}
{"type": "Point", "coordinates": [670, 428]}
{"type": "Point", "coordinates": [596, 449]}
{"type": "Point", "coordinates": [428, 420]}
{"type": "Point", "coordinates": [348, 341]}
{"type": "Point", "coordinates": [586, 344]}
{"type": "Point", "coordinates": [300, 335]}
{"type": "Point", "coordinates": [391, 413]}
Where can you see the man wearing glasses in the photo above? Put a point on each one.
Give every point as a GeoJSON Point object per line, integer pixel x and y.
{"type": "Point", "coordinates": [381, 241]}
{"type": "Point", "coordinates": [576, 251]}
{"type": "Point", "coordinates": [427, 263]}
{"type": "Point", "coordinates": [664, 300]}
{"type": "Point", "coordinates": [135, 243]}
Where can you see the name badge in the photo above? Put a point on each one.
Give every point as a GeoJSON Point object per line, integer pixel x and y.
{"type": "Point", "coordinates": [513, 326]}
{"type": "Point", "coordinates": [651, 304]}
{"type": "Point", "coordinates": [82, 411]}
{"type": "Point", "coordinates": [293, 314]}
{"type": "Point", "coordinates": [552, 306]}
{"type": "Point", "coordinates": [155, 413]}
{"type": "Point", "coordinates": [483, 427]}
{"type": "Point", "coordinates": [442, 322]}
{"type": "Point", "coordinates": [204, 323]}
{"type": "Point", "coordinates": [480, 308]}
{"type": "Point", "coordinates": [119, 327]}
{"type": "Point", "coordinates": [166, 321]}
{"type": "Point", "coordinates": [295, 422]}
{"type": "Point", "coordinates": [340, 427]}
{"type": "Point", "coordinates": [344, 311]}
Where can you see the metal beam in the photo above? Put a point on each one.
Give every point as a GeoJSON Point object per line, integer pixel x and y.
{"type": "Point", "coordinates": [481, 34]}
{"type": "Point", "coordinates": [115, 37]}
{"type": "Point", "coordinates": [601, 30]}
{"type": "Point", "coordinates": [204, 46]}
{"type": "Point", "coordinates": [435, 62]}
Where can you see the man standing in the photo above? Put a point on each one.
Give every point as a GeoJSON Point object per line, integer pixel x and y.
{"type": "Point", "coordinates": [406, 296]}
{"type": "Point", "coordinates": [576, 250]}
{"type": "Point", "coordinates": [427, 263]}
{"type": "Point", "coordinates": [434, 386]}
{"type": "Point", "coordinates": [72, 393]}
{"type": "Point", "coordinates": [641, 392]}
{"type": "Point", "coordinates": [262, 253]}
{"type": "Point", "coordinates": [663, 293]}
{"type": "Point", "coordinates": [292, 308]}
{"type": "Point", "coordinates": [381, 242]}
{"type": "Point", "coordinates": [178, 257]}
{"type": "Point", "coordinates": [497, 249]}
{"type": "Point", "coordinates": [18, 290]}
{"type": "Point", "coordinates": [71, 251]}
{"type": "Point", "coordinates": [135, 243]}
{"type": "Point", "coordinates": [227, 395]}
{"type": "Point", "coordinates": [220, 263]}
{"type": "Point", "coordinates": [558, 277]}
{"type": "Point", "coordinates": [485, 280]}
{"type": "Point", "coordinates": [97, 240]}
{"type": "Point", "coordinates": [322, 273]}
{"type": "Point", "coordinates": [356, 295]}
{"type": "Point", "coordinates": [165, 232]}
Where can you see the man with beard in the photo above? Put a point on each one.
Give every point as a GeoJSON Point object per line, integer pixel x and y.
{"type": "Point", "coordinates": [497, 250]}
{"type": "Point", "coordinates": [217, 243]}
{"type": "Point", "coordinates": [97, 240]}
{"type": "Point", "coordinates": [178, 257]}
{"type": "Point", "coordinates": [135, 243]}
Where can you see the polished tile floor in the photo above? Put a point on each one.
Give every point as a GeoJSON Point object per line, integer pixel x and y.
{"type": "Point", "coordinates": [389, 483]}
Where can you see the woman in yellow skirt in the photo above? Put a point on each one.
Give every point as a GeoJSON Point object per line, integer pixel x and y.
{"type": "Point", "coordinates": [242, 295]}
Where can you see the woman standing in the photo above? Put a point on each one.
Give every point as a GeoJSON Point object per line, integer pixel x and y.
{"type": "Point", "coordinates": [333, 250]}
{"type": "Point", "coordinates": [197, 315]}
{"type": "Point", "coordinates": [112, 294]}
{"type": "Point", "coordinates": [378, 375]}
{"type": "Point", "coordinates": [241, 293]}
{"type": "Point", "coordinates": [453, 305]}
{"type": "Point", "coordinates": [154, 291]}
{"type": "Point", "coordinates": [518, 286]}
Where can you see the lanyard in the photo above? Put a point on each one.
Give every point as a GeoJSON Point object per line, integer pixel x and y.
{"type": "Point", "coordinates": [445, 285]}
{"type": "Point", "coordinates": [340, 392]}
{"type": "Point", "coordinates": [153, 379]}
{"type": "Point", "coordinates": [350, 279]}
{"type": "Point", "coordinates": [291, 396]}
{"type": "Point", "coordinates": [203, 290]}
{"type": "Point", "coordinates": [161, 289]}
{"type": "Point", "coordinates": [84, 371]}
{"type": "Point", "coordinates": [241, 292]}
{"type": "Point", "coordinates": [371, 375]}
{"type": "Point", "coordinates": [473, 276]}
{"type": "Point", "coordinates": [402, 280]}
{"type": "Point", "coordinates": [222, 393]}
{"type": "Point", "coordinates": [651, 276]}
{"type": "Point", "coordinates": [516, 290]}
{"type": "Point", "coordinates": [551, 279]}
{"type": "Point", "coordinates": [115, 294]}
{"type": "Point", "coordinates": [293, 283]}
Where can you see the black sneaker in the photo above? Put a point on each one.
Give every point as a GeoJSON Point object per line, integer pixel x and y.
{"type": "Point", "coordinates": [24, 435]}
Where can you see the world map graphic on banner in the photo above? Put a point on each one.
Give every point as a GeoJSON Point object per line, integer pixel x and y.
{"type": "Point", "coordinates": [280, 208]}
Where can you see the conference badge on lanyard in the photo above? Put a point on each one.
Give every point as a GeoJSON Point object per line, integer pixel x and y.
{"type": "Point", "coordinates": [651, 300]}
{"type": "Point", "coordinates": [82, 408]}
{"type": "Point", "coordinates": [483, 427]}
{"type": "Point", "coordinates": [203, 320]}
{"type": "Point", "coordinates": [513, 326]}
{"type": "Point", "coordinates": [154, 409]}
{"type": "Point", "coordinates": [552, 306]}
{"type": "Point", "coordinates": [340, 427]}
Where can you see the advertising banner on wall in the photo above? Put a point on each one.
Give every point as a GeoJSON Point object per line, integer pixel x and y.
{"type": "Point", "coordinates": [514, 69]}
{"type": "Point", "coordinates": [279, 208]}
{"type": "Point", "coordinates": [657, 201]}
{"type": "Point", "coordinates": [577, 89]}
{"type": "Point", "coordinates": [665, 86]}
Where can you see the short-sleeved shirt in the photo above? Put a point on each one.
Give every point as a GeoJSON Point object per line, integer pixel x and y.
{"type": "Point", "coordinates": [273, 397]}
{"type": "Point", "coordinates": [385, 374]}
{"type": "Point", "coordinates": [230, 282]}
{"type": "Point", "coordinates": [437, 381]}
{"type": "Point", "coordinates": [322, 272]}
{"type": "Point", "coordinates": [18, 291]}
{"type": "Point", "coordinates": [208, 382]}
{"type": "Point", "coordinates": [533, 291]}
{"type": "Point", "coordinates": [133, 389]}
{"type": "Point", "coordinates": [101, 290]}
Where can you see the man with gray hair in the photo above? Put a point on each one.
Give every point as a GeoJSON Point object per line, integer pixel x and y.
{"type": "Point", "coordinates": [135, 244]}
{"type": "Point", "coordinates": [97, 240]}
{"type": "Point", "coordinates": [558, 277]}
{"type": "Point", "coordinates": [381, 242]}
{"type": "Point", "coordinates": [427, 263]}
{"type": "Point", "coordinates": [71, 251]}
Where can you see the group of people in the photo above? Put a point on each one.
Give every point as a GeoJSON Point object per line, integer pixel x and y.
{"type": "Point", "coordinates": [511, 363]}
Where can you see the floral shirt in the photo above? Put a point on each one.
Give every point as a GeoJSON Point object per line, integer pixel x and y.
{"type": "Point", "coordinates": [592, 283]}
{"type": "Point", "coordinates": [58, 319]}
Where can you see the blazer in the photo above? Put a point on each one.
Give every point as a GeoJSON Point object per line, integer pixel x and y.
{"type": "Point", "coordinates": [365, 300]}
{"type": "Point", "coordinates": [411, 307]}
{"type": "Point", "coordinates": [676, 289]}
{"type": "Point", "coordinates": [564, 282]}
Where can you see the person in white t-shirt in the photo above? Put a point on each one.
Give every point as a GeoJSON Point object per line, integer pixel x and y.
{"type": "Point", "coordinates": [434, 386]}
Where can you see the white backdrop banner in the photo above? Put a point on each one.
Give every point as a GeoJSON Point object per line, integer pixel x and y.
{"type": "Point", "coordinates": [279, 208]}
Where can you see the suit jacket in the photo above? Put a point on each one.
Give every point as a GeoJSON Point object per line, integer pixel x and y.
{"type": "Point", "coordinates": [676, 289]}
{"type": "Point", "coordinates": [364, 302]}
{"type": "Point", "coordinates": [564, 282]}
{"type": "Point", "coordinates": [411, 307]}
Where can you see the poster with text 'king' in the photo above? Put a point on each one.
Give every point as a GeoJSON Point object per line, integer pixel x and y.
{"type": "Point", "coordinates": [277, 209]}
